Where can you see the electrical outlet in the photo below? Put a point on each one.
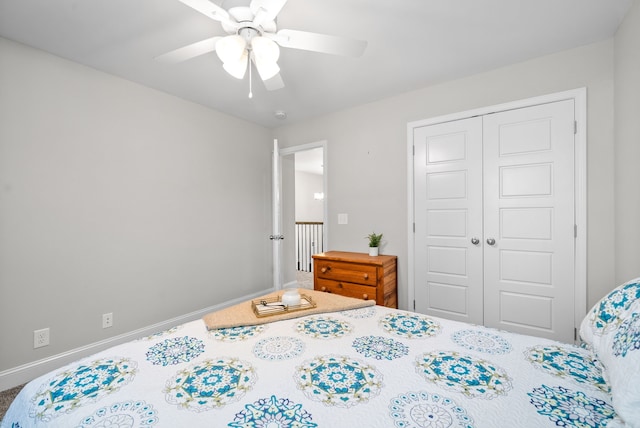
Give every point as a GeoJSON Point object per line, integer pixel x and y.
{"type": "Point", "coordinates": [107, 320]}
{"type": "Point", "coordinates": [40, 338]}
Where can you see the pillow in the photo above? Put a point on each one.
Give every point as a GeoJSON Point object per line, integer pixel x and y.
{"type": "Point", "coordinates": [622, 364]}
{"type": "Point", "coordinates": [608, 313]}
{"type": "Point", "coordinates": [612, 330]}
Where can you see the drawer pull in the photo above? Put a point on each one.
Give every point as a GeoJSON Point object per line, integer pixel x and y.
{"type": "Point", "coordinates": [340, 285]}
{"type": "Point", "coordinates": [365, 296]}
{"type": "Point", "coordinates": [366, 276]}
{"type": "Point", "coordinates": [325, 269]}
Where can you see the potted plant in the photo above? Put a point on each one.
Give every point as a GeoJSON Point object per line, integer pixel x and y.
{"type": "Point", "coordinates": [374, 243]}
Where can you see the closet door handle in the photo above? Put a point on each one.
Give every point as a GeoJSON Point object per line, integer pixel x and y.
{"type": "Point", "coordinates": [491, 241]}
{"type": "Point", "coordinates": [475, 241]}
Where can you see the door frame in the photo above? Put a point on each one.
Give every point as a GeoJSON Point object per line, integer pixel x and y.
{"type": "Point", "coordinates": [579, 96]}
{"type": "Point", "coordinates": [286, 151]}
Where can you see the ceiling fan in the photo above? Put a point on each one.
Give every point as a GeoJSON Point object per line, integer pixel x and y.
{"type": "Point", "coordinates": [253, 38]}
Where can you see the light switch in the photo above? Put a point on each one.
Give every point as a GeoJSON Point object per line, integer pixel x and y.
{"type": "Point", "coordinates": [343, 218]}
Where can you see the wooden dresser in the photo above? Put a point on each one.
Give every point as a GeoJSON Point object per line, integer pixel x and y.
{"type": "Point", "coordinates": [357, 275]}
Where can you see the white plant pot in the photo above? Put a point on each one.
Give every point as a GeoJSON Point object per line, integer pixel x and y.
{"type": "Point", "coordinates": [373, 251]}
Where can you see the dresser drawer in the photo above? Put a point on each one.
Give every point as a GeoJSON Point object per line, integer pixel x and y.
{"type": "Point", "coordinates": [347, 289]}
{"type": "Point", "coordinates": [357, 275]}
{"type": "Point", "coordinates": [348, 272]}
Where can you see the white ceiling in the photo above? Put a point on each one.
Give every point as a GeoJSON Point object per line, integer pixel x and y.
{"type": "Point", "coordinates": [411, 44]}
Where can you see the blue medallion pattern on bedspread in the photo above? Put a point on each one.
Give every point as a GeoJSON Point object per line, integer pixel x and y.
{"type": "Point", "coordinates": [337, 380]}
{"type": "Point", "coordinates": [127, 414]}
{"type": "Point", "coordinates": [273, 412]}
{"type": "Point", "coordinates": [210, 384]}
{"type": "Point", "coordinates": [379, 347]}
{"type": "Point", "coordinates": [234, 334]}
{"type": "Point", "coordinates": [410, 326]}
{"type": "Point", "coordinates": [81, 385]}
{"type": "Point", "coordinates": [375, 367]}
{"type": "Point", "coordinates": [569, 363]}
{"type": "Point", "coordinates": [565, 407]}
{"type": "Point", "coordinates": [366, 312]}
{"type": "Point", "coordinates": [175, 351]}
{"type": "Point", "coordinates": [481, 341]}
{"type": "Point", "coordinates": [422, 409]}
{"type": "Point", "coordinates": [323, 327]}
{"type": "Point", "coordinates": [462, 373]}
{"type": "Point", "coordinates": [278, 348]}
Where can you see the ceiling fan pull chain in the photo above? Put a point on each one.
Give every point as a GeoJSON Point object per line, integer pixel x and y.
{"type": "Point", "coordinates": [250, 80]}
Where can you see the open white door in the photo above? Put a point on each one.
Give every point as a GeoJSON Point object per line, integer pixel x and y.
{"type": "Point", "coordinates": [277, 237]}
{"type": "Point", "coordinates": [284, 207]}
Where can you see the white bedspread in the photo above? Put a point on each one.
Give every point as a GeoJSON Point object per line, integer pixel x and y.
{"type": "Point", "coordinates": [369, 367]}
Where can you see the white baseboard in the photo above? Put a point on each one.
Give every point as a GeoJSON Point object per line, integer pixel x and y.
{"type": "Point", "coordinates": [18, 375]}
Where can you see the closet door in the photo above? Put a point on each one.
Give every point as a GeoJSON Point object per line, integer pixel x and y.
{"type": "Point", "coordinates": [529, 220]}
{"type": "Point", "coordinates": [448, 220]}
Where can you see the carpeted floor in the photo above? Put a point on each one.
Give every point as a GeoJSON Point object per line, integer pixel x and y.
{"type": "Point", "coordinates": [305, 279]}
{"type": "Point", "coordinates": [6, 397]}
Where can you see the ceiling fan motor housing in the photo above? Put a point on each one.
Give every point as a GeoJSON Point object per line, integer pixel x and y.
{"type": "Point", "coordinates": [245, 18]}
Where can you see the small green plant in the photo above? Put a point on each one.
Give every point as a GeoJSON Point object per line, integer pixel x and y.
{"type": "Point", "coordinates": [374, 240]}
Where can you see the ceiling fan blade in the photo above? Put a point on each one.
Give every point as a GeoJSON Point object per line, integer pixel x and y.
{"type": "Point", "coordinates": [190, 51]}
{"type": "Point", "coordinates": [274, 83]}
{"type": "Point", "coordinates": [319, 43]}
{"type": "Point", "coordinates": [211, 10]}
{"type": "Point", "coordinates": [266, 10]}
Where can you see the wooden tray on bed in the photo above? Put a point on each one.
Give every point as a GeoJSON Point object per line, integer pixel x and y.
{"type": "Point", "coordinates": [262, 310]}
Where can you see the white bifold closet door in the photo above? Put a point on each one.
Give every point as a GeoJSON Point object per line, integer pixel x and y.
{"type": "Point", "coordinates": [448, 215]}
{"type": "Point", "coordinates": [494, 214]}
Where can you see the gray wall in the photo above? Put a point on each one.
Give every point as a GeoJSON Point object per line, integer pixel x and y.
{"type": "Point", "coordinates": [627, 159]}
{"type": "Point", "coordinates": [307, 208]}
{"type": "Point", "coordinates": [118, 198]}
{"type": "Point", "coordinates": [367, 155]}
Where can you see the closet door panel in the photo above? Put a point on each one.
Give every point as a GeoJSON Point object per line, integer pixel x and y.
{"type": "Point", "coordinates": [448, 214]}
{"type": "Point", "coordinates": [528, 159]}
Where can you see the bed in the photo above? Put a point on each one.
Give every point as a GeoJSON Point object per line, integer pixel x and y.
{"type": "Point", "coordinates": [370, 366]}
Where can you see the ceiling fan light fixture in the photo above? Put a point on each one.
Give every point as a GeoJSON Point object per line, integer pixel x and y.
{"type": "Point", "coordinates": [265, 55]}
{"type": "Point", "coordinates": [265, 50]}
{"type": "Point", "coordinates": [231, 48]}
{"type": "Point", "coordinates": [237, 68]}
{"type": "Point", "coordinates": [266, 70]}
